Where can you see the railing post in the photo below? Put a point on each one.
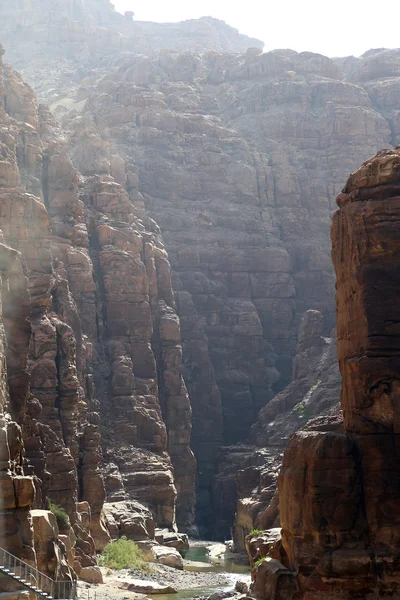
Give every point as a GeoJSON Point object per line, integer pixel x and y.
{"type": "Point", "coordinates": [17, 568]}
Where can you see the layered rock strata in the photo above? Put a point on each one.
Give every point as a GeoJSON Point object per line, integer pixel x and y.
{"type": "Point", "coordinates": [213, 144]}
{"type": "Point", "coordinates": [20, 488]}
{"type": "Point", "coordinates": [239, 158]}
{"type": "Point", "coordinates": [17, 489]}
{"type": "Point", "coordinates": [245, 488]}
{"type": "Point", "coordinates": [338, 489]}
{"type": "Point", "coordinates": [313, 390]}
{"type": "Point", "coordinates": [46, 429]}
{"type": "Point", "coordinates": [245, 495]}
{"type": "Point", "coordinates": [74, 41]}
{"type": "Point", "coordinates": [88, 330]}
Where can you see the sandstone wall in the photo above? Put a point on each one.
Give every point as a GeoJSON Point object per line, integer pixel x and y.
{"type": "Point", "coordinates": [245, 484]}
{"type": "Point", "coordinates": [338, 488]}
{"type": "Point", "coordinates": [90, 347]}
{"type": "Point", "coordinates": [73, 41]}
{"type": "Point", "coordinates": [238, 158]}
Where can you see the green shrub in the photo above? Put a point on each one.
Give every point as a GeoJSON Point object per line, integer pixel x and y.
{"type": "Point", "coordinates": [254, 532]}
{"type": "Point", "coordinates": [123, 554]}
{"type": "Point", "coordinates": [259, 562]}
{"type": "Point", "coordinates": [60, 514]}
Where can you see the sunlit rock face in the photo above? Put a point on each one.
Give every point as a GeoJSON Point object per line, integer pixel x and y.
{"type": "Point", "coordinates": [90, 352]}
{"type": "Point", "coordinates": [24, 292]}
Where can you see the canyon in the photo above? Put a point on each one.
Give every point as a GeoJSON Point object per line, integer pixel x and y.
{"type": "Point", "coordinates": [168, 296]}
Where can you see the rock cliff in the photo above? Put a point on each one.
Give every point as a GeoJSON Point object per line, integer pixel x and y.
{"type": "Point", "coordinates": [245, 486]}
{"type": "Point", "coordinates": [90, 352]}
{"type": "Point", "coordinates": [73, 40]}
{"type": "Point", "coordinates": [185, 139]}
{"type": "Point", "coordinates": [238, 159]}
{"type": "Point", "coordinates": [39, 400]}
{"type": "Point", "coordinates": [338, 484]}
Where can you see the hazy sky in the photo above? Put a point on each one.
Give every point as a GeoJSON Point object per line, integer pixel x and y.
{"type": "Point", "coordinates": [337, 28]}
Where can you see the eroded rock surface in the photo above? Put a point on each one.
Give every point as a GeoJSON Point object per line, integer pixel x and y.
{"type": "Point", "coordinates": [76, 40]}
{"type": "Point", "coordinates": [89, 335]}
{"type": "Point", "coordinates": [246, 479]}
{"type": "Point", "coordinates": [195, 141]}
{"type": "Point", "coordinates": [338, 491]}
{"type": "Point", "coordinates": [238, 158]}
{"type": "Point", "coordinates": [175, 141]}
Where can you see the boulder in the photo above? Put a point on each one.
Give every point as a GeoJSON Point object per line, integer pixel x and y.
{"type": "Point", "coordinates": [179, 541]}
{"type": "Point", "coordinates": [91, 574]}
{"type": "Point", "coordinates": [168, 556]}
{"type": "Point", "coordinates": [145, 587]}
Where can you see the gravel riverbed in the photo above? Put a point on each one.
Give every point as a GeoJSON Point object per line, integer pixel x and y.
{"type": "Point", "coordinates": [180, 580]}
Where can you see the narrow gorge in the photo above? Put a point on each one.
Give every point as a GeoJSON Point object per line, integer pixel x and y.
{"type": "Point", "coordinates": [170, 363]}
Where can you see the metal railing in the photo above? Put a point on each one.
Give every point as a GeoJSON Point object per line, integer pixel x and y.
{"type": "Point", "coordinates": [32, 579]}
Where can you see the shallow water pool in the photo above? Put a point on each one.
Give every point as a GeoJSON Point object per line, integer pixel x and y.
{"type": "Point", "coordinates": [201, 562]}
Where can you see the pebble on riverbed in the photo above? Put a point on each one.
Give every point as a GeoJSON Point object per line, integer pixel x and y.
{"type": "Point", "coordinates": [180, 580]}
{"type": "Point", "coordinates": [242, 587]}
{"type": "Point", "coordinates": [207, 580]}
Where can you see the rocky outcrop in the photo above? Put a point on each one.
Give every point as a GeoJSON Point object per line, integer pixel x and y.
{"type": "Point", "coordinates": [130, 519]}
{"type": "Point", "coordinates": [51, 556]}
{"type": "Point", "coordinates": [238, 159]}
{"type": "Point", "coordinates": [198, 35]}
{"type": "Point", "coordinates": [337, 496]}
{"type": "Point", "coordinates": [245, 485]}
{"type": "Point", "coordinates": [90, 345]}
{"type": "Point", "coordinates": [17, 489]}
{"type": "Point", "coordinates": [20, 488]}
{"type": "Point", "coordinates": [43, 409]}
{"type": "Point", "coordinates": [213, 144]}
{"type": "Point", "coordinates": [313, 390]}
{"type": "Point", "coordinates": [145, 587]}
{"type": "Point", "coordinates": [245, 492]}
{"type": "Point", "coordinates": [74, 41]}
{"type": "Point", "coordinates": [55, 371]}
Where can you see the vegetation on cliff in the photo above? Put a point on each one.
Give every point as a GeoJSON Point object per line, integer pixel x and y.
{"type": "Point", "coordinates": [60, 514]}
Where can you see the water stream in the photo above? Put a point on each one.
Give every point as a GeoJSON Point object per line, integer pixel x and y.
{"type": "Point", "coordinates": [198, 560]}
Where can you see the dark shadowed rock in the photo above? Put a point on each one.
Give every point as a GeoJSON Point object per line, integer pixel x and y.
{"type": "Point", "coordinates": [337, 498]}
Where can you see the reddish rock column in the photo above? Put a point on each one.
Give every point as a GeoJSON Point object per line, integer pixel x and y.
{"type": "Point", "coordinates": [340, 490]}
{"type": "Point", "coordinates": [366, 242]}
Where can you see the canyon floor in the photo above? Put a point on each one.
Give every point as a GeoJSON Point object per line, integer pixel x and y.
{"type": "Point", "coordinates": [198, 579]}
